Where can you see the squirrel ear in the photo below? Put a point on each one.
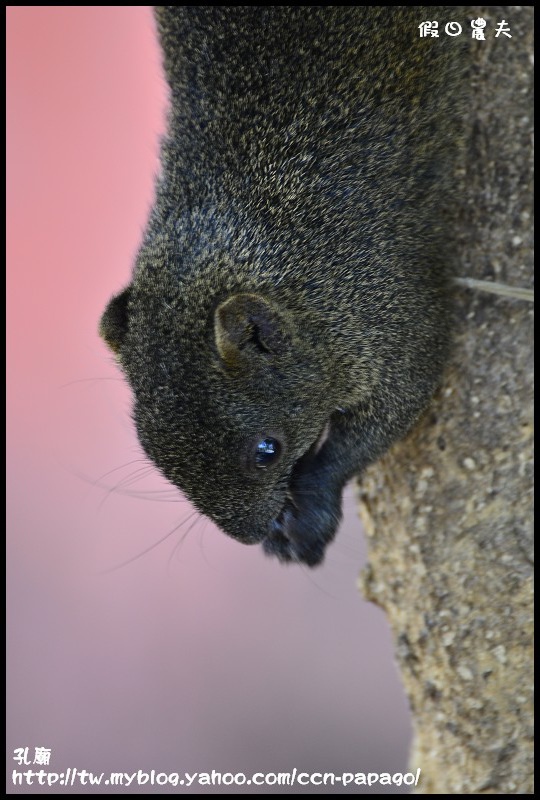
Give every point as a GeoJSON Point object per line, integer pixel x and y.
{"type": "Point", "coordinates": [247, 326]}
{"type": "Point", "coordinates": [114, 322]}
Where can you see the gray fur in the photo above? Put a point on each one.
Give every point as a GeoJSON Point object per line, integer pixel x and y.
{"type": "Point", "coordinates": [305, 175]}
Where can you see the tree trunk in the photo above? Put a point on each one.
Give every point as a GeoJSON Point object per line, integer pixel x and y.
{"type": "Point", "coordinates": [448, 512]}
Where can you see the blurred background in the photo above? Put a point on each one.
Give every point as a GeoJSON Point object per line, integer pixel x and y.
{"type": "Point", "coordinates": [200, 654]}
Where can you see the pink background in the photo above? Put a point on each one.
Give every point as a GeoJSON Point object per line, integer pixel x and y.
{"type": "Point", "coordinates": [210, 657]}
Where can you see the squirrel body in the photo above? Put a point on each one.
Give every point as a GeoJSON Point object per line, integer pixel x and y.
{"type": "Point", "coordinates": [288, 316]}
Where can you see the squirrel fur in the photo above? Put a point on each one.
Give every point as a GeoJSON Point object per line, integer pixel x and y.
{"type": "Point", "coordinates": [289, 312]}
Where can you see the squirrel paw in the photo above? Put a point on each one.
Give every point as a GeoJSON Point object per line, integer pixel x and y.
{"type": "Point", "coordinates": [307, 523]}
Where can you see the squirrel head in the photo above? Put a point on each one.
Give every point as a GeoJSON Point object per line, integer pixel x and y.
{"type": "Point", "coordinates": [231, 394]}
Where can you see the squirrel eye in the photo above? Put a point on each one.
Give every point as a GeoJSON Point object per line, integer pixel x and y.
{"type": "Point", "coordinates": [267, 452]}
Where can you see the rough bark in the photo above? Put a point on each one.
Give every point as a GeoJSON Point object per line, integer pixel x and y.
{"type": "Point", "coordinates": [448, 512]}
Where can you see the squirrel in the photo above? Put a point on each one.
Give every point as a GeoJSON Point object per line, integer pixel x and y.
{"type": "Point", "coordinates": [289, 313]}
